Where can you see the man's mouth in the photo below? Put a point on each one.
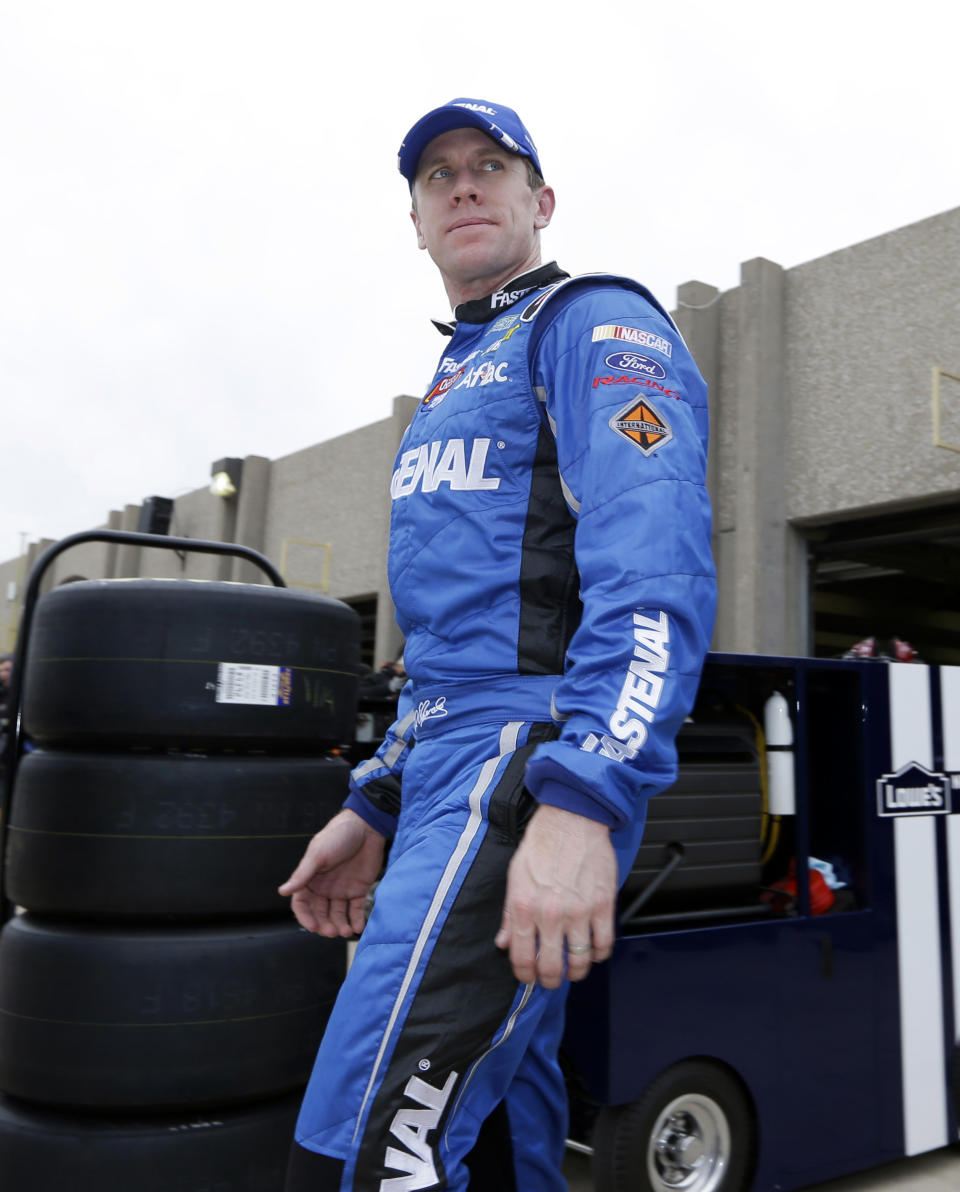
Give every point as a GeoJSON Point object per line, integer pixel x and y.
{"type": "Point", "coordinates": [472, 221]}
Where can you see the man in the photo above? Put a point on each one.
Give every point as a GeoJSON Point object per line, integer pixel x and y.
{"type": "Point", "coordinates": [550, 565]}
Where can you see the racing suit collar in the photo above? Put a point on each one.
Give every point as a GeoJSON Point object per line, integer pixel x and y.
{"type": "Point", "coordinates": [482, 310]}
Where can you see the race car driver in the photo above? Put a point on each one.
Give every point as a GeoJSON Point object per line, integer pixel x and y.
{"type": "Point", "coordinates": [550, 565]}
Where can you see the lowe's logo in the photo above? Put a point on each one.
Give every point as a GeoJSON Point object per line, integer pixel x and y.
{"type": "Point", "coordinates": [914, 790]}
{"type": "Point", "coordinates": [634, 362]}
{"type": "Point", "coordinates": [432, 464]}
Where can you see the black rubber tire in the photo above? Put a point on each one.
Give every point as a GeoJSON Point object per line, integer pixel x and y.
{"type": "Point", "coordinates": [223, 1151]}
{"type": "Point", "coordinates": [118, 836]}
{"type": "Point", "coordinates": [625, 1158]}
{"type": "Point", "coordinates": [113, 1018]}
{"type": "Point", "coordinates": [143, 662]}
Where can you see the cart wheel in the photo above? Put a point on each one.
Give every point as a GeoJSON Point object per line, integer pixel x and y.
{"type": "Point", "coordinates": [691, 1131]}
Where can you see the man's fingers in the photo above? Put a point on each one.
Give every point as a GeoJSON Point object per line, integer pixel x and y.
{"type": "Point", "coordinates": [519, 937]}
{"type": "Point", "coordinates": [579, 955]}
{"type": "Point", "coordinates": [302, 907]}
{"type": "Point", "coordinates": [301, 876]}
{"type": "Point", "coordinates": [358, 914]}
{"type": "Point", "coordinates": [338, 916]}
{"type": "Point", "coordinates": [550, 937]}
{"type": "Point", "coordinates": [505, 934]}
{"type": "Point", "coordinates": [336, 845]}
{"type": "Point", "coordinates": [523, 957]}
{"type": "Point", "coordinates": [602, 932]}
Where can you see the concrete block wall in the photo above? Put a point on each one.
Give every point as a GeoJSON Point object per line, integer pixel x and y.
{"type": "Point", "coordinates": [820, 383]}
{"type": "Point", "coordinates": [866, 326]}
{"type": "Point", "coordinates": [336, 496]}
{"type": "Point", "coordinates": [738, 342]}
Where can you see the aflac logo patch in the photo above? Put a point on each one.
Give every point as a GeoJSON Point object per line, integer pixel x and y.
{"type": "Point", "coordinates": [634, 362]}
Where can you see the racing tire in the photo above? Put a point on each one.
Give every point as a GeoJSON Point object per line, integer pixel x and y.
{"type": "Point", "coordinates": [185, 836]}
{"type": "Point", "coordinates": [692, 1128]}
{"type": "Point", "coordinates": [113, 1018]}
{"type": "Point", "coordinates": [222, 1151]}
{"type": "Point", "coordinates": [190, 662]}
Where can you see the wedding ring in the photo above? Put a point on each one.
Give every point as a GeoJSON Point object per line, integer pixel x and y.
{"type": "Point", "coordinates": [579, 949]}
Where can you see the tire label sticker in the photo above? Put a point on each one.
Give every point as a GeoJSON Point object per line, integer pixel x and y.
{"type": "Point", "coordinates": [249, 683]}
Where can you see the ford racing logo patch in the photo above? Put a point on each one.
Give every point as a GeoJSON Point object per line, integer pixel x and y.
{"type": "Point", "coordinates": [634, 362]}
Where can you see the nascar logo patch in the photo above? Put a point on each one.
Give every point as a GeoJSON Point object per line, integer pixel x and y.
{"type": "Point", "coordinates": [632, 335]}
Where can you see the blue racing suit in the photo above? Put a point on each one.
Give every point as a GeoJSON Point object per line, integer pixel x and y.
{"type": "Point", "coordinates": [550, 565]}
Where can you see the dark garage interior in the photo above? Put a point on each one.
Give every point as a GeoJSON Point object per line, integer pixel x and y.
{"type": "Point", "coordinates": [893, 576]}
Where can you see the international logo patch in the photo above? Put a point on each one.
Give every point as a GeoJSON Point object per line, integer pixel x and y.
{"type": "Point", "coordinates": [642, 423]}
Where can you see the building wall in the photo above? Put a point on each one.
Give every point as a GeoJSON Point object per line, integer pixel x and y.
{"type": "Point", "coordinates": [327, 516]}
{"type": "Point", "coordinates": [319, 515]}
{"type": "Point", "coordinates": [820, 391]}
{"type": "Point", "coordinates": [866, 326]}
{"type": "Point", "coordinates": [821, 406]}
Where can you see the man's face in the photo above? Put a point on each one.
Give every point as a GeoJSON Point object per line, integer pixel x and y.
{"type": "Point", "coordinates": [474, 210]}
{"type": "Point", "coordinates": [5, 668]}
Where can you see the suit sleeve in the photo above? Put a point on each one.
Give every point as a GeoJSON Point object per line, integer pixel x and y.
{"type": "Point", "coordinates": [375, 784]}
{"type": "Point", "coordinates": [627, 408]}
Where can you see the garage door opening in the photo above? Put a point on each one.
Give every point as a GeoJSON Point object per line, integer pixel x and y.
{"type": "Point", "coordinates": [895, 576]}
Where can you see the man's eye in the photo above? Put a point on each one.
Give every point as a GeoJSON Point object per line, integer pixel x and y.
{"type": "Point", "coordinates": [441, 172]}
{"type": "Point", "coordinates": [492, 165]}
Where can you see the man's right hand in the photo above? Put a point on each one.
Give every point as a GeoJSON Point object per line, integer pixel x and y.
{"type": "Point", "coordinates": [329, 887]}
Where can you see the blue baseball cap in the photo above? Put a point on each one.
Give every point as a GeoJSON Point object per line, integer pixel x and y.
{"type": "Point", "coordinates": [500, 123]}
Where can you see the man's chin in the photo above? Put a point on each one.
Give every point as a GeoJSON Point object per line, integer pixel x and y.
{"type": "Point", "coordinates": [472, 264]}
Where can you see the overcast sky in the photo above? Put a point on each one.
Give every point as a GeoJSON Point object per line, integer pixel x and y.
{"type": "Point", "coordinates": [204, 242]}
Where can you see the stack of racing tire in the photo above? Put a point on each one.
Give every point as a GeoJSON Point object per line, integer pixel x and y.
{"type": "Point", "coordinates": [159, 1007]}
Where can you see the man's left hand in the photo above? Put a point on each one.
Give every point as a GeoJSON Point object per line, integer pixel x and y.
{"type": "Point", "coordinates": [561, 893]}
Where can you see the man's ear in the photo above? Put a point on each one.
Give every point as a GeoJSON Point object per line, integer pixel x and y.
{"type": "Point", "coordinates": [416, 223]}
{"type": "Point", "coordinates": [546, 205]}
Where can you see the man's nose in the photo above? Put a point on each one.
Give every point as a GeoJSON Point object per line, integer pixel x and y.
{"type": "Point", "coordinates": [465, 186]}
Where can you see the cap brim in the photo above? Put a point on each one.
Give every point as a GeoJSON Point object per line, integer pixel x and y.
{"type": "Point", "coordinates": [438, 121]}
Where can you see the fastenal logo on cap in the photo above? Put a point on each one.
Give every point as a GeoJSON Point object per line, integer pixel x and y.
{"type": "Point", "coordinates": [498, 122]}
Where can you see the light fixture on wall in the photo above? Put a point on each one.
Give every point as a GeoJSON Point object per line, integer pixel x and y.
{"type": "Point", "coordinates": [155, 515]}
{"type": "Point", "coordinates": [225, 477]}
